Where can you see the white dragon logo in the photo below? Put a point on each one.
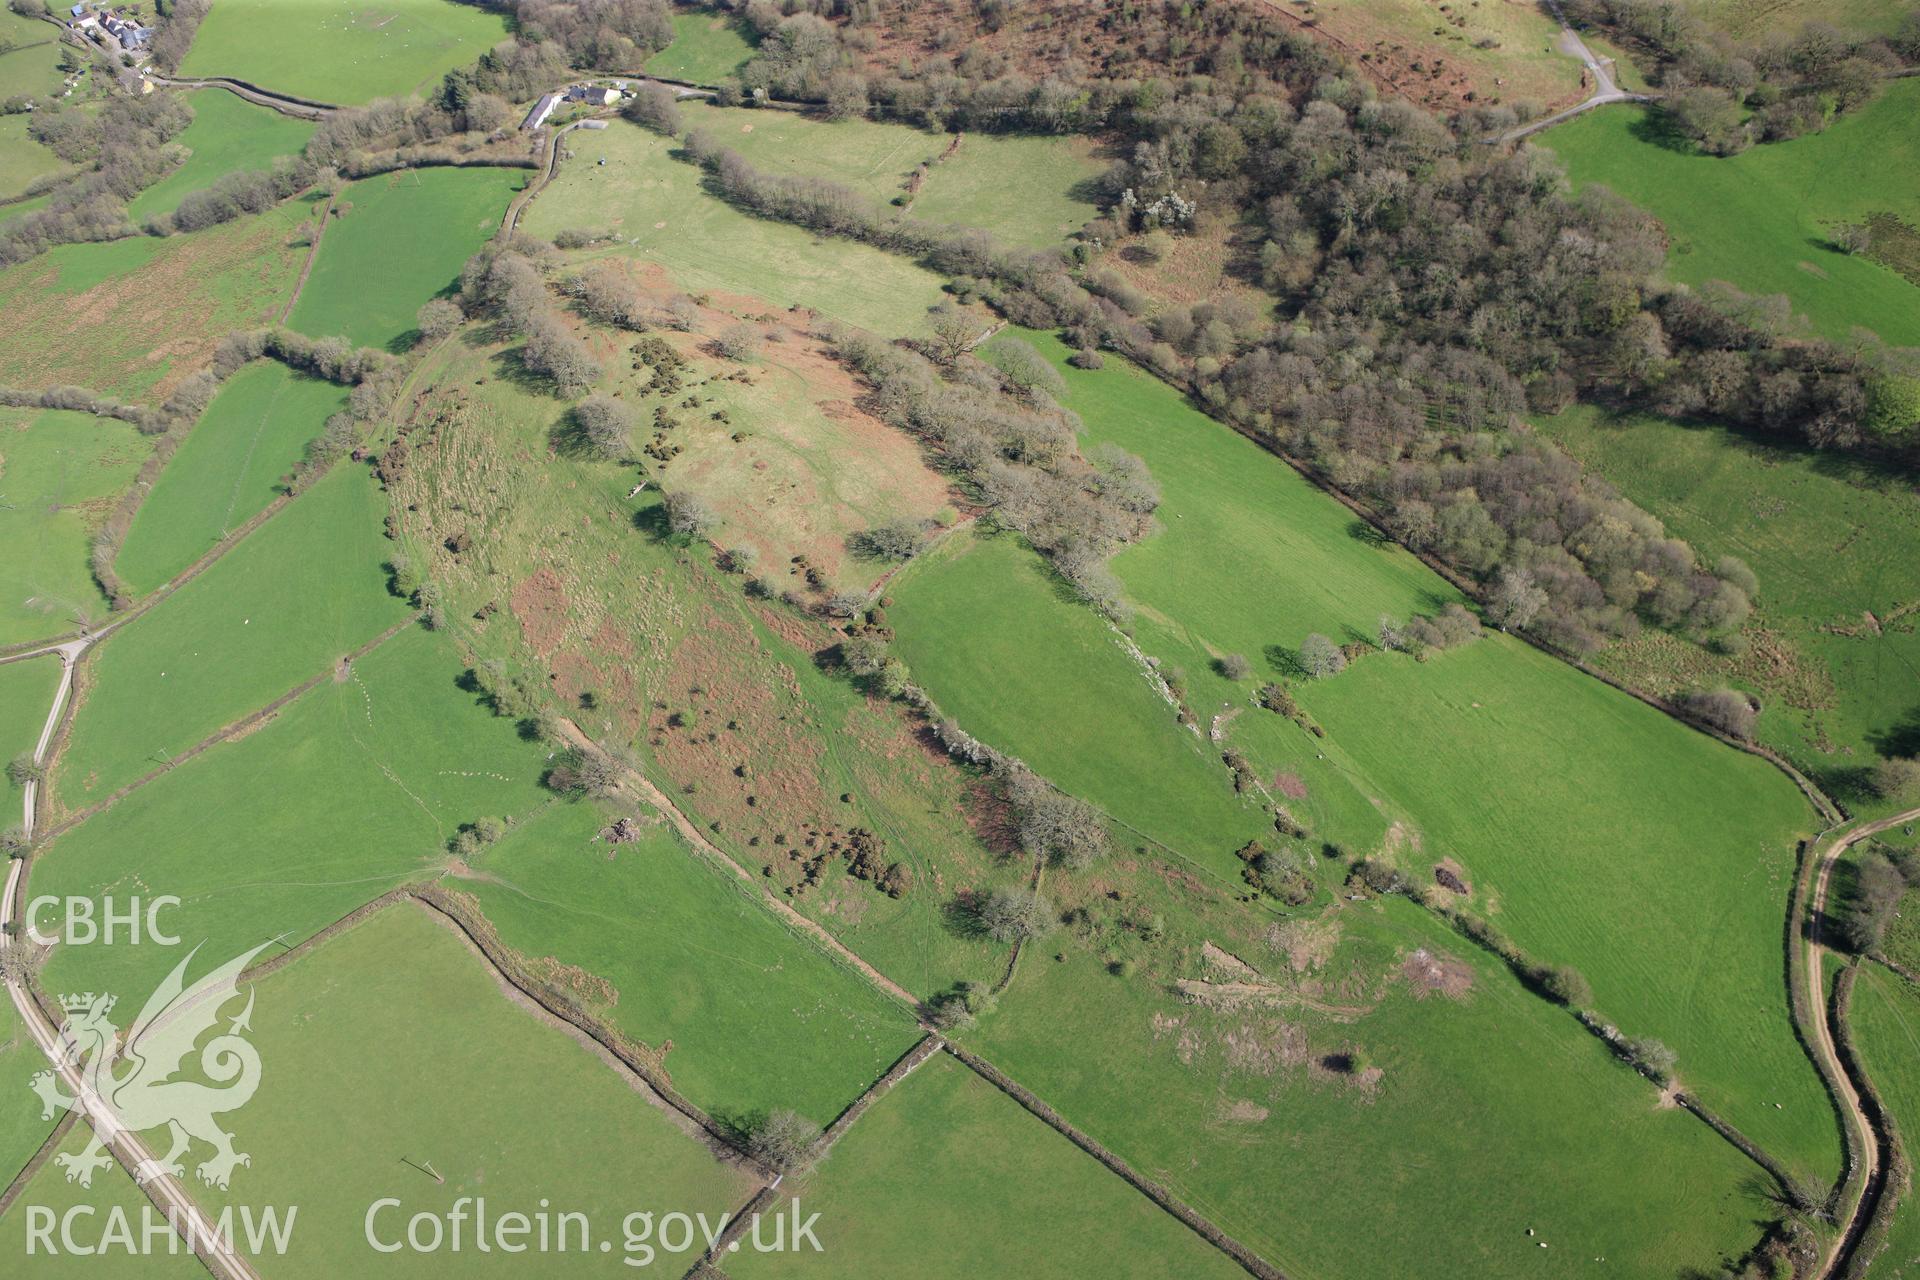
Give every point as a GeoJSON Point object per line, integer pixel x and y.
{"type": "Point", "coordinates": [147, 1096]}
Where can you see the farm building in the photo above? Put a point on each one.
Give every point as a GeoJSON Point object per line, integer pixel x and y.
{"type": "Point", "coordinates": [593, 95]}
{"type": "Point", "coordinates": [541, 110]}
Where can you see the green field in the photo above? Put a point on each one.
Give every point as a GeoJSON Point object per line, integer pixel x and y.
{"type": "Point", "coordinates": [21, 158]}
{"type": "Point", "coordinates": [1530, 775]}
{"type": "Point", "coordinates": [282, 607]}
{"type": "Point", "coordinates": [1026, 189]}
{"type": "Point", "coordinates": [707, 47]}
{"type": "Point", "coordinates": [990, 633]}
{"type": "Point", "coordinates": [759, 1017]}
{"type": "Point", "coordinates": [1600, 833]}
{"type": "Point", "coordinates": [342, 54]}
{"type": "Point", "coordinates": [21, 1128]}
{"type": "Point", "coordinates": [1833, 649]}
{"type": "Point", "coordinates": [656, 203]}
{"type": "Point", "coordinates": [1751, 19]}
{"type": "Point", "coordinates": [494, 1100]}
{"type": "Point", "coordinates": [228, 135]}
{"type": "Point", "coordinates": [59, 474]}
{"type": "Point", "coordinates": [973, 1185]}
{"type": "Point", "coordinates": [31, 68]}
{"type": "Point", "coordinates": [228, 468]}
{"type": "Point", "coordinates": [395, 241]}
{"type": "Point", "coordinates": [1763, 219]}
{"type": "Point", "coordinates": [351, 790]}
{"type": "Point", "coordinates": [113, 1197]}
{"type": "Point", "coordinates": [1885, 1021]}
{"type": "Point", "coordinates": [26, 694]}
{"type": "Point", "coordinates": [1492, 1112]}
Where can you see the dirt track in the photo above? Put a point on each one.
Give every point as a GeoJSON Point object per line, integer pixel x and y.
{"type": "Point", "coordinates": [1870, 1160]}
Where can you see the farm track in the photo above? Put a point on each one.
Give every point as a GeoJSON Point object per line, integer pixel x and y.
{"type": "Point", "coordinates": [1866, 1140]}
{"type": "Point", "coordinates": [711, 852]}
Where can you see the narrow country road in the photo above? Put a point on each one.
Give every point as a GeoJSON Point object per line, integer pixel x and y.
{"type": "Point", "coordinates": [1604, 89]}
{"type": "Point", "coordinates": [1868, 1141]}
{"type": "Point", "coordinates": [125, 1145]}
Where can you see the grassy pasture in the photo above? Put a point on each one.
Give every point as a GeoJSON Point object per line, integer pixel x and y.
{"type": "Point", "coordinates": [758, 1016]}
{"type": "Point", "coordinates": [992, 635]}
{"type": "Point", "coordinates": [228, 468]}
{"type": "Point", "coordinates": [657, 205]}
{"type": "Point", "coordinates": [352, 789]}
{"type": "Point", "coordinates": [1301, 563]}
{"type": "Point", "coordinates": [1763, 219]}
{"type": "Point", "coordinates": [497, 1101]}
{"type": "Point", "coordinates": [1750, 19]}
{"type": "Point", "coordinates": [1490, 1110]}
{"type": "Point", "coordinates": [1024, 189]}
{"type": "Point", "coordinates": [1833, 649]}
{"type": "Point", "coordinates": [26, 693]}
{"type": "Point", "coordinates": [21, 158]}
{"type": "Point", "coordinates": [228, 135]}
{"type": "Point", "coordinates": [113, 1190]}
{"type": "Point", "coordinates": [581, 593]}
{"type": "Point", "coordinates": [31, 65]}
{"type": "Point", "coordinates": [303, 590]}
{"type": "Point", "coordinates": [1456, 748]}
{"type": "Point", "coordinates": [132, 317]}
{"type": "Point", "coordinates": [707, 47]}
{"type": "Point", "coordinates": [21, 1128]}
{"type": "Point", "coordinates": [395, 241]}
{"type": "Point", "coordinates": [348, 54]}
{"type": "Point", "coordinates": [1885, 1021]}
{"type": "Point", "coordinates": [59, 472]}
{"type": "Point", "coordinates": [1577, 813]}
{"type": "Point", "coordinates": [973, 1185]}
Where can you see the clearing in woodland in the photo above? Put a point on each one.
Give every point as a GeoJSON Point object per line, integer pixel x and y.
{"type": "Point", "coordinates": [1765, 219]}
{"type": "Point", "coordinates": [1025, 189]}
{"type": "Point", "coordinates": [708, 46]}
